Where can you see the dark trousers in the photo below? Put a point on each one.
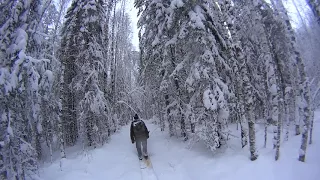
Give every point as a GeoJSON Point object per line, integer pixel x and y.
{"type": "Point", "coordinates": [141, 145]}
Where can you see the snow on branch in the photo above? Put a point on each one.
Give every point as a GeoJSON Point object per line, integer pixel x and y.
{"type": "Point", "coordinates": [179, 66]}
{"type": "Point", "coordinates": [209, 100]}
{"type": "Point", "coordinates": [196, 18]}
{"type": "Point", "coordinates": [125, 103]}
{"type": "Point", "coordinates": [176, 4]}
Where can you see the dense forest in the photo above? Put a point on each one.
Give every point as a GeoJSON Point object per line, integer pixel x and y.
{"type": "Point", "coordinates": [70, 75]}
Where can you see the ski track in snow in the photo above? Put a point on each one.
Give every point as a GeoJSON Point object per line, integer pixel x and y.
{"type": "Point", "coordinates": [172, 160]}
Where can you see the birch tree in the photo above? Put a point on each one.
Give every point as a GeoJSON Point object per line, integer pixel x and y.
{"type": "Point", "coordinates": [304, 87]}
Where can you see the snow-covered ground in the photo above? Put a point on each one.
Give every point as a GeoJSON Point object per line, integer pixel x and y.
{"type": "Point", "coordinates": [173, 160]}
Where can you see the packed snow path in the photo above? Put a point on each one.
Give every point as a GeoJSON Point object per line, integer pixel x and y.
{"type": "Point", "coordinates": [171, 160]}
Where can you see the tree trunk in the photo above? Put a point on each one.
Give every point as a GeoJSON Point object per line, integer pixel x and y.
{"type": "Point", "coordinates": [193, 126]}
{"type": "Point", "coordinates": [160, 114]}
{"type": "Point", "coordinates": [305, 106]}
{"type": "Point", "coordinates": [287, 113]}
{"type": "Point", "coordinates": [61, 142]}
{"type": "Point", "coordinates": [113, 63]}
{"type": "Point", "coordinates": [296, 102]}
{"type": "Point", "coordinates": [311, 126]}
{"type": "Point", "coordinates": [312, 113]}
{"type": "Point", "coordinates": [265, 134]}
{"type": "Point", "coordinates": [169, 118]}
{"type": "Point", "coordinates": [252, 136]}
{"type": "Point", "coordinates": [279, 124]}
{"type": "Point", "coordinates": [183, 128]}
{"type": "Point", "coordinates": [306, 118]}
{"type": "Point", "coordinates": [249, 103]}
{"type": "Point", "coordinates": [51, 153]}
{"type": "Point", "coordinates": [244, 140]}
{"type": "Point", "coordinates": [265, 116]}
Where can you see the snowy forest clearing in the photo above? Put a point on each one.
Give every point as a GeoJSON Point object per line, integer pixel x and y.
{"type": "Point", "coordinates": [172, 159]}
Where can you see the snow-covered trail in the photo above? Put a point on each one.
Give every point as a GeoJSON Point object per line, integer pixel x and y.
{"type": "Point", "coordinates": [171, 160]}
{"type": "Point", "coordinates": [115, 160]}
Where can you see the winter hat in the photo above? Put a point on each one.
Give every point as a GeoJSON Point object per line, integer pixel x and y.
{"type": "Point", "coordinates": [136, 116]}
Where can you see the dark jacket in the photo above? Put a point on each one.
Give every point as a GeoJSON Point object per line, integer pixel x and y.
{"type": "Point", "coordinates": [138, 133]}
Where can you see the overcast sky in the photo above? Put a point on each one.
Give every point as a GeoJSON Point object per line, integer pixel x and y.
{"type": "Point", "coordinates": [134, 19]}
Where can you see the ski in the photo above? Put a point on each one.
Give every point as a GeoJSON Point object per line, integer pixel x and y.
{"type": "Point", "coordinates": [147, 161]}
{"type": "Point", "coordinates": [147, 172]}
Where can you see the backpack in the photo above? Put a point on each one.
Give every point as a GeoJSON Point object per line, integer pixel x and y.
{"type": "Point", "coordinates": [138, 127]}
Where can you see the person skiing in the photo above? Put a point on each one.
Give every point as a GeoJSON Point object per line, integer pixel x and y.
{"type": "Point", "coordinates": [139, 133]}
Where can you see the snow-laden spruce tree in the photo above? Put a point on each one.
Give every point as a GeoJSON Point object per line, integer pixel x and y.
{"type": "Point", "coordinates": [50, 101]}
{"type": "Point", "coordinates": [189, 41]}
{"type": "Point", "coordinates": [152, 39]}
{"type": "Point", "coordinates": [19, 84]}
{"type": "Point", "coordinates": [211, 75]}
{"type": "Point", "coordinates": [84, 106]}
